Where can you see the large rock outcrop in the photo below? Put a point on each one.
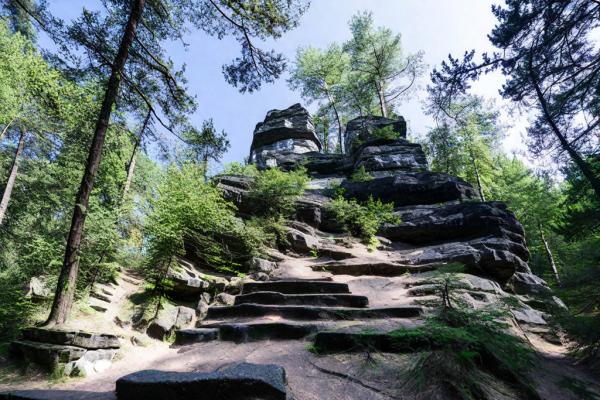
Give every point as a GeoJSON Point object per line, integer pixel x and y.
{"type": "Point", "coordinates": [281, 134]}
{"type": "Point", "coordinates": [442, 221]}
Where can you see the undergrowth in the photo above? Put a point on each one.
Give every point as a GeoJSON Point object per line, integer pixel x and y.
{"type": "Point", "coordinates": [362, 220]}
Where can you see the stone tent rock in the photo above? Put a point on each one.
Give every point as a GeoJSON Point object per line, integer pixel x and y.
{"type": "Point", "coordinates": [440, 213]}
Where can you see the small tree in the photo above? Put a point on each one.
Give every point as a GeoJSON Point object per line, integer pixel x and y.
{"type": "Point", "coordinates": [205, 145]}
{"type": "Point", "coordinates": [376, 56]}
{"type": "Point", "coordinates": [318, 74]}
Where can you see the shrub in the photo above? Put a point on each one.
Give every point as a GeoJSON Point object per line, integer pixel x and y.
{"type": "Point", "coordinates": [361, 220]}
{"type": "Point", "coordinates": [386, 132]}
{"type": "Point", "coordinates": [236, 168]}
{"type": "Point", "coordinates": [361, 175]}
{"type": "Point", "coordinates": [190, 212]}
{"type": "Point", "coordinates": [275, 192]}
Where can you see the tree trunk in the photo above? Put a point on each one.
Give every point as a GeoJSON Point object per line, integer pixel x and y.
{"type": "Point", "coordinates": [339, 122]}
{"type": "Point", "coordinates": [583, 166]}
{"type": "Point", "coordinates": [476, 170]}
{"type": "Point", "coordinates": [549, 255]}
{"type": "Point", "coordinates": [65, 289]}
{"type": "Point", "coordinates": [6, 128]}
{"type": "Point", "coordinates": [133, 159]}
{"type": "Point", "coordinates": [340, 130]}
{"type": "Point", "coordinates": [12, 176]}
{"type": "Point", "coordinates": [382, 104]}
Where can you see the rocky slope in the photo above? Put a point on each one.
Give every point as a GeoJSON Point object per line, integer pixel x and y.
{"type": "Point", "coordinates": [327, 288]}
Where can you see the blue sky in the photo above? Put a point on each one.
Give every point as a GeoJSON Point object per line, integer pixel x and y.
{"type": "Point", "coordinates": [438, 27]}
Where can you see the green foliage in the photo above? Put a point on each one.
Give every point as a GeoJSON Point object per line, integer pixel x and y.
{"type": "Point", "coordinates": [236, 168]}
{"type": "Point", "coordinates": [188, 211]}
{"type": "Point", "coordinates": [361, 175]}
{"type": "Point", "coordinates": [386, 132]}
{"type": "Point", "coordinates": [361, 220]}
{"type": "Point", "coordinates": [368, 74]}
{"type": "Point", "coordinates": [274, 192]}
{"type": "Point", "coordinates": [16, 310]}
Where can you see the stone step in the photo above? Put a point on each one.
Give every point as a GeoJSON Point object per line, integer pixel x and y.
{"type": "Point", "coordinates": [296, 287]}
{"type": "Point", "coordinates": [56, 395]}
{"type": "Point", "coordinates": [310, 312]}
{"type": "Point", "coordinates": [254, 331]}
{"type": "Point", "coordinates": [100, 296]}
{"type": "Point", "coordinates": [357, 267]}
{"type": "Point", "coordinates": [327, 300]}
{"type": "Point", "coordinates": [91, 341]}
{"type": "Point", "coordinates": [242, 381]}
{"type": "Point", "coordinates": [336, 342]}
{"type": "Point", "coordinates": [199, 335]}
{"type": "Point", "coordinates": [46, 354]}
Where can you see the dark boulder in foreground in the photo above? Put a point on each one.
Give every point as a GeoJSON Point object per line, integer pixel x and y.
{"type": "Point", "coordinates": [241, 382]}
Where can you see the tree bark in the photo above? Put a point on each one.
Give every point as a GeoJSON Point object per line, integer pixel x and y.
{"type": "Point", "coordinates": [6, 128]}
{"type": "Point", "coordinates": [338, 120]}
{"type": "Point", "coordinates": [65, 289]}
{"type": "Point", "coordinates": [12, 176]}
{"type": "Point", "coordinates": [476, 170]}
{"type": "Point", "coordinates": [549, 255]}
{"type": "Point", "coordinates": [133, 159]}
{"type": "Point", "coordinates": [340, 129]}
{"type": "Point", "coordinates": [382, 104]}
{"type": "Point", "coordinates": [583, 166]}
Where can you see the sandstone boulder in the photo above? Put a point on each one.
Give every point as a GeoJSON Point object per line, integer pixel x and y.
{"type": "Point", "coordinates": [411, 188]}
{"type": "Point", "coordinates": [288, 131]}
{"type": "Point", "coordinates": [361, 129]}
{"type": "Point", "coordinates": [437, 223]}
{"type": "Point", "coordinates": [242, 381]}
{"type": "Point", "coordinates": [390, 155]}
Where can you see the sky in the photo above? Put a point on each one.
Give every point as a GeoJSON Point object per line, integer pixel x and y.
{"type": "Point", "coordinates": [437, 27]}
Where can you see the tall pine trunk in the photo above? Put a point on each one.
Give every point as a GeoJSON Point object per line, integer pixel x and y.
{"type": "Point", "coordinates": [549, 255]}
{"type": "Point", "coordinates": [339, 123]}
{"type": "Point", "coordinates": [12, 176]}
{"type": "Point", "coordinates": [583, 166]}
{"type": "Point", "coordinates": [67, 281]}
{"type": "Point", "coordinates": [133, 159]}
{"type": "Point", "coordinates": [477, 177]}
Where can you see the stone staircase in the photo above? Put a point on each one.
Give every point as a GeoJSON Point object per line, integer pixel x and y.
{"type": "Point", "coordinates": [293, 309]}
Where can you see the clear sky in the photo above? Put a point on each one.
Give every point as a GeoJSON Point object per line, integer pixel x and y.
{"type": "Point", "coordinates": [438, 27]}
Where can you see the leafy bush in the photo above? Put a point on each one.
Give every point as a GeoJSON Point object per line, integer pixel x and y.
{"type": "Point", "coordinates": [361, 220]}
{"type": "Point", "coordinates": [361, 175]}
{"type": "Point", "coordinates": [190, 212]}
{"type": "Point", "coordinates": [275, 192]}
{"type": "Point", "coordinates": [386, 132]}
{"type": "Point", "coordinates": [236, 168]}
{"type": "Point", "coordinates": [16, 311]}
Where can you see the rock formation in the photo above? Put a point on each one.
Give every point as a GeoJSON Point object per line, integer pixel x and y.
{"type": "Point", "coordinates": [330, 288]}
{"type": "Point", "coordinates": [283, 132]}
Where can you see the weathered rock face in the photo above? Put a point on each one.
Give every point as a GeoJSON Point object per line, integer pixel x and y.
{"type": "Point", "coordinates": [75, 353]}
{"type": "Point", "coordinates": [283, 133]}
{"type": "Point", "coordinates": [383, 156]}
{"type": "Point", "coordinates": [361, 129]}
{"type": "Point", "coordinates": [439, 212]}
{"type": "Point", "coordinates": [411, 188]}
